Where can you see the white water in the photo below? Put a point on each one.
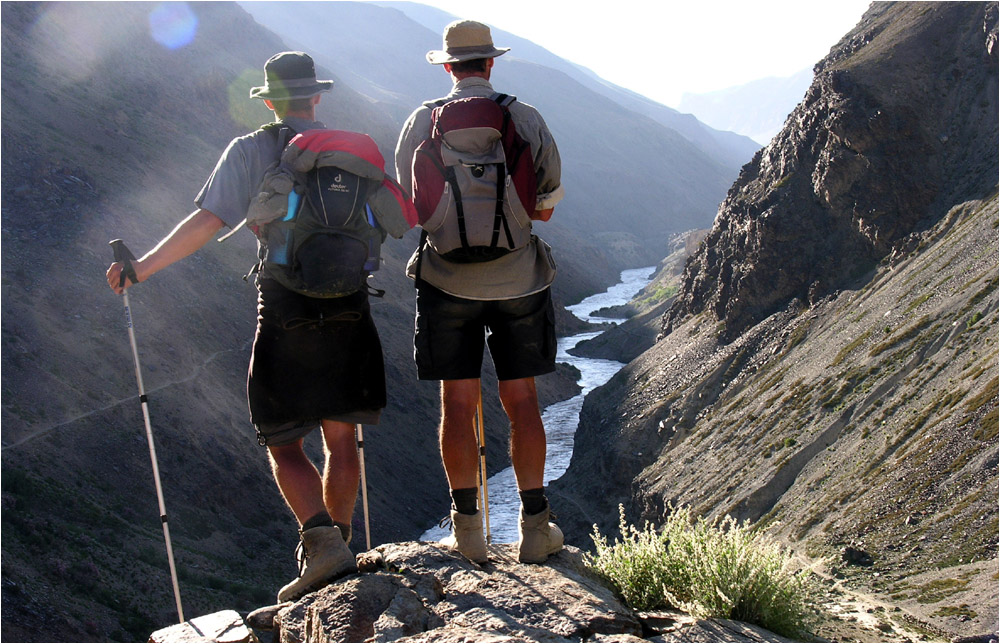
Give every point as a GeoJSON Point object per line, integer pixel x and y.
{"type": "Point", "coordinates": [560, 419]}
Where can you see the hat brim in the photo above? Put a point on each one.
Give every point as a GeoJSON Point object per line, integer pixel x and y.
{"type": "Point", "coordinates": [279, 93]}
{"type": "Point", "coordinates": [439, 57]}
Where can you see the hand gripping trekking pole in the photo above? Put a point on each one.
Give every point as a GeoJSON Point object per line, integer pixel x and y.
{"type": "Point", "coordinates": [481, 435]}
{"type": "Point", "coordinates": [364, 485]}
{"type": "Point", "coordinates": [125, 256]}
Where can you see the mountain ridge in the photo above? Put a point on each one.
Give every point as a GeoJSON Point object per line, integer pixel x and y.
{"type": "Point", "coordinates": [727, 147]}
{"type": "Point", "coordinates": [771, 99]}
{"type": "Point", "coordinates": [829, 368]}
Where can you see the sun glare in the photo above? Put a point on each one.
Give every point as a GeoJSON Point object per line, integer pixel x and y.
{"type": "Point", "coordinates": [74, 39]}
{"type": "Point", "coordinates": [173, 24]}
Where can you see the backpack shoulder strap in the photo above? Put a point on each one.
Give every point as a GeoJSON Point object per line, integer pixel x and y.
{"type": "Point", "coordinates": [281, 131]}
{"type": "Point", "coordinates": [503, 100]}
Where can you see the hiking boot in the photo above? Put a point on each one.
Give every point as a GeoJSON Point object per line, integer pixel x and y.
{"type": "Point", "coordinates": [323, 556]}
{"type": "Point", "coordinates": [467, 536]}
{"type": "Point", "coordinates": [537, 538]}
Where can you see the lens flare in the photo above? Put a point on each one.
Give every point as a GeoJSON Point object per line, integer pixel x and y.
{"type": "Point", "coordinates": [243, 110]}
{"type": "Point", "coordinates": [173, 24]}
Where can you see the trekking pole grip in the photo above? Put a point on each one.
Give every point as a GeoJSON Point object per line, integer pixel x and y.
{"type": "Point", "coordinates": [125, 256]}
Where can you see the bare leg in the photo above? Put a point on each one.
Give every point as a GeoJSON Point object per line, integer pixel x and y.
{"type": "Point", "coordinates": [459, 444]}
{"type": "Point", "coordinates": [298, 480]}
{"type": "Point", "coordinates": [527, 434]}
{"type": "Point", "coordinates": [342, 470]}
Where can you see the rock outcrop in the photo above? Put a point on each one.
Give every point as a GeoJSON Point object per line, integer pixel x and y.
{"type": "Point", "coordinates": [899, 124]}
{"type": "Point", "coordinates": [418, 592]}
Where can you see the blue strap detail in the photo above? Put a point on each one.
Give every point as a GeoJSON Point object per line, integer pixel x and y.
{"type": "Point", "coordinates": [294, 199]}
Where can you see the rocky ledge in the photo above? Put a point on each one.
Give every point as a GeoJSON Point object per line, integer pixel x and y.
{"type": "Point", "coordinates": [416, 591]}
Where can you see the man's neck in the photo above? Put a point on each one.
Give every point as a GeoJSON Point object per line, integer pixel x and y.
{"type": "Point", "coordinates": [461, 77]}
{"type": "Point", "coordinates": [309, 116]}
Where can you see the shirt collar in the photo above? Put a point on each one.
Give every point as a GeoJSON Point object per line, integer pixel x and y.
{"type": "Point", "coordinates": [300, 124]}
{"type": "Point", "coordinates": [471, 81]}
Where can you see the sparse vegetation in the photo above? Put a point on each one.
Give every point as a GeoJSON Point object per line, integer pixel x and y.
{"type": "Point", "coordinates": [658, 295]}
{"type": "Point", "coordinates": [854, 344]}
{"type": "Point", "coordinates": [917, 302]}
{"type": "Point", "coordinates": [956, 611]}
{"type": "Point", "coordinates": [908, 334]}
{"type": "Point", "coordinates": [783, 181]}
{"type": "Point", "coordinates": [989, 426]}
{"type": "Point", "coordinates": [938, 590]}
{"type": "Point", "coordinates": [708, 568]}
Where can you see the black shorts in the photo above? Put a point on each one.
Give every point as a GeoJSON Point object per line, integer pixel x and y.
{"type": "Point", "coordinates": [451, 331]}
{"type": "Point", "coordinates": [313, 359]}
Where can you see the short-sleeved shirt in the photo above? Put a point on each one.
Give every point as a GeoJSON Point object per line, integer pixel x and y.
{"type": "Point", "coordinates": [525, 271]}
{"type": "Point", "coordinates": [234, 181]}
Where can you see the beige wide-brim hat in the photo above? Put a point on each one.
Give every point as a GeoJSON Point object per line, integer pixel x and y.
{"type": "Point", "coordinates": [465, 40]}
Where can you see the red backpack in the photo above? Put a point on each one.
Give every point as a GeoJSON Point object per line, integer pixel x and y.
{"type": "Point", "coordinates": [474, 183]}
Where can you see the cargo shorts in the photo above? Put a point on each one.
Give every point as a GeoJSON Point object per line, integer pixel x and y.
{"type": "Point", "coordinates": [450, 334]}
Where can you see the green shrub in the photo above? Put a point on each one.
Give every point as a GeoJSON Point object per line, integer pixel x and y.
{"type": "Point", "coordinates": [708, 569]}
{"type": "Point", "coordinates": [636, 566]}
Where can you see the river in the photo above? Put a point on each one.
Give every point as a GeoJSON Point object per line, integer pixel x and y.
{"type": "Point", "coordinates": [560, 419]}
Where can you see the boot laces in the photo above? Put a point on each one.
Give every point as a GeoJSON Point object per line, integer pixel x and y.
{"type": "Point", "coordinates": [301, 556]}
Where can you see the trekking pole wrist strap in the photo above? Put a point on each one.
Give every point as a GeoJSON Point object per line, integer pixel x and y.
{"type": "Point", "coordinates": [125, 257]}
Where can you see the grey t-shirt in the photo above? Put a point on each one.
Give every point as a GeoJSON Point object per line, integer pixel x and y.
{"type": "Point", "coordinates": [237, 175]}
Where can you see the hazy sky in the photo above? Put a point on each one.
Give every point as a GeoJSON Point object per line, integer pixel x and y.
{"type": "Point", "coordinates": [663, 49]}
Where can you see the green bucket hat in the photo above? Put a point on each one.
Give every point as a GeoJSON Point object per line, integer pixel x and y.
{"type": "Point", "coordinates": [288, 75]}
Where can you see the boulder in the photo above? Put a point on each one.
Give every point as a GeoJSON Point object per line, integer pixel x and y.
{"type": "Point", "coordinates": [425, 593]}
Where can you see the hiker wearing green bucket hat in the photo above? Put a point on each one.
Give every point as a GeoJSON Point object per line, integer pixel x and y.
{"type": "Point", "coordinates": [482, 166]}
{"type": "Point", "coordinates": [316, 361]}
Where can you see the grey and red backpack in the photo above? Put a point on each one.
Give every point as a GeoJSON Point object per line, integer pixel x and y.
{"type": "Point", "coordinates": [474, 182]}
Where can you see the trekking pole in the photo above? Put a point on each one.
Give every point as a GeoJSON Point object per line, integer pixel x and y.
{"type": "Point", "coordinates": [482, 461]}
{"type": "Point", "coordinates": [125, 256]}
{"type": "Point", "coordinates": [364, 485]}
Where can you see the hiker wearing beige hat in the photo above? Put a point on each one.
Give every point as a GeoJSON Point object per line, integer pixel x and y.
{"type": "Point", "coordinates": [483, 167]}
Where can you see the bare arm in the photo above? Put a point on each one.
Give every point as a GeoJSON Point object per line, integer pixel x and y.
{"type": "Point", "coordinates": [196, 230]}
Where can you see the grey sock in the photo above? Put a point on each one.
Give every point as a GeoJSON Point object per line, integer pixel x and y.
{"type": "Point", "coordinates": [320, 519]}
